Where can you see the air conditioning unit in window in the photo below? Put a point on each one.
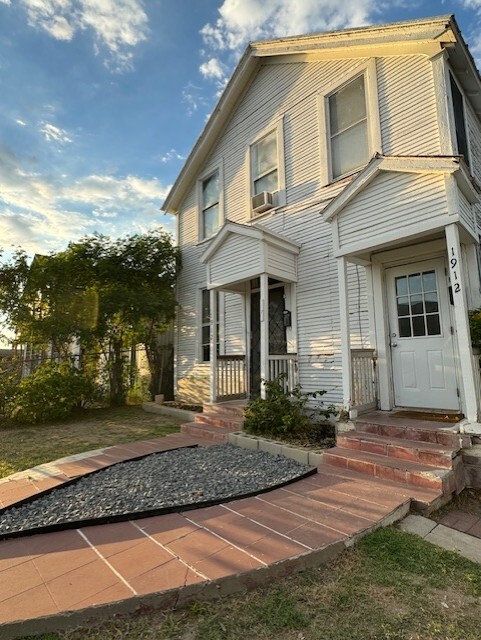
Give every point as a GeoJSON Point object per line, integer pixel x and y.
{"type": "Point", "coordinates": [262, 201]}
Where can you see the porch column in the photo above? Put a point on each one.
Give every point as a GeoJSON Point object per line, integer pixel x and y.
{"type": "Point", "coordinates": [264, 331]}
{"type": "Point", "coordinates": [213, 345]}
{"type": "Point", "coordinates": [458, 285]}
{"type": "Point", "coordinates": [345, 334]}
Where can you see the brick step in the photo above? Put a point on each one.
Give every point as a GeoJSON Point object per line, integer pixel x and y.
{"type": "Point", "coordinates": [418, 432]}
{"type": "Point", "coordinates": [205, 431]}
{"type": "Point", "coordinates": [225, 421]}
{"type": "Point", "coordinates": [223, 408]}
{"type": "Point", "coordinates": [415, 450]}
{"type": "Point", "coordinates": [394, 469]}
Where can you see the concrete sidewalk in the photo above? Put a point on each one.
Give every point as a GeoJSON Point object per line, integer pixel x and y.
{"type": "Point", "coordinates": [61, 579]}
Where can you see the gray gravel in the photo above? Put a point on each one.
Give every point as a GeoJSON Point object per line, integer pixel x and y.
{"type": "Point", "coordinates": [179, 477]}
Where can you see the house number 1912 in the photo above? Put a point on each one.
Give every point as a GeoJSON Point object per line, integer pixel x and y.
{"type": "Point", "coordinates": [453, 262]}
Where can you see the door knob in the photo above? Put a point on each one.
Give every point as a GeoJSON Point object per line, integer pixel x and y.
{"type": "Point", "coordinates": [393, 344]}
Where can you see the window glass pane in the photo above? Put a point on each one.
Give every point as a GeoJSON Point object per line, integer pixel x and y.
{"type": "Point", "coordinates": [264, 155]}
{"type": "Point", "coordinates": [347, 106]}
{"type": "Point", "coordinates": [431, 302]}
{"type": "Point", "coordinates": [401, 286]}
{"type": "Point", "coordinates": [404, 328]}
{"type": "Point", "coordinates": [415, 283]}
{"type": "Point", "coordinates": [417, 306]}
{"type": "Point", "coordinates": [267, 183]}
{"type": "Point", "coordinates": [349, 150]}
{"type": "Point", "coordinates": [210, 190]}
{"type": "Point", "coordinates": [403, 306]}
{"type": "Point", "coordinates": [205, 306]}
{"type": "Point", "coordinates": [429, 281]}
{"type": "Point", "coordinates": [206, 352]}
{"type": "Point", "coordinates": [211, 220]}
{"type": "Point", "coordinates": [418, 326]}
{"type": "Point", "coordinates": [434, 327]}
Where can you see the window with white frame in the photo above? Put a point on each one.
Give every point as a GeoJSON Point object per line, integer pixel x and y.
{"type": "Point", "coordinates": [264, 164]}
{"type": "Point", "coordinates": [210, 209]}
{"type": "Point", "coordinates": [459, 120]}
{"type": "Point", "coordinates": [205, 325]}
{"type": "Point", "coordinates": [349, 123]}
{"type": "Point", "coordinates": [348, 127]}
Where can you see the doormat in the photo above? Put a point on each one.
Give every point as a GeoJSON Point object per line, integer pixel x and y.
{"type": "Point", "coordinates": [450, 418]}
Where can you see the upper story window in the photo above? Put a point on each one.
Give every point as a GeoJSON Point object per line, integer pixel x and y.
{"type": "Point", "coordinates": [264, 158]}
{"type": "Point", "coordinates": [348, 133]}
{"type": "Point", "coordinates": [210, 213]}
{"type": "Point", "coordinates": [459, 120]}
{"type": "Point", "coordinates": [349, 123]}
{"type": "Point", "coordinates": [266, 170]}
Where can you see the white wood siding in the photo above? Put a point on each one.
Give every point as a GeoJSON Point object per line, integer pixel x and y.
{"type": "Point", "coordinates": [392, 202]}
{"type": "Point", "coordinates": [238, 258]}
{"type": "Point", "coordinates": [474, 135]}
{"type": "Point", "coordinates": [407, 106]}
{"type": "Point", "coordinates": [290, 91]}
{"type": "Point", "coordinates": [466, 212]}
{"type": "Point", "coordinates": [281, 264]}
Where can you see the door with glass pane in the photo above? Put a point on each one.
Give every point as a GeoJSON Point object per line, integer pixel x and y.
{"type": "Point", "coordinates": [422, 351]}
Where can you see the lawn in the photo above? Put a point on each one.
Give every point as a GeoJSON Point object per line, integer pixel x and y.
{"type": "Point", "coordinates": [392, 586]}
{"type": "Point", "coordinates": [26, 446]}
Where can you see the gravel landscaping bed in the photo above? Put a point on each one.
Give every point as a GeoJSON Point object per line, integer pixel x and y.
{"type": "Point", "coordinates": [159, 481]}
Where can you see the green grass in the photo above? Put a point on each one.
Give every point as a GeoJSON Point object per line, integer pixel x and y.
{"type": "Point", "coordinates": [26, 446]}
{"type": "Point", "coordinates": [392, 586]}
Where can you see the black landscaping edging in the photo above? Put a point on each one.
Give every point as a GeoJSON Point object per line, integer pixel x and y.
{"type": "Point", "coordinates": [136, 515]}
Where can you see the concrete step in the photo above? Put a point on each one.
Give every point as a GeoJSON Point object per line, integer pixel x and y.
{"type": "Point", "coordinates": [225, 421]}
{"type": "Point", "coordinates": [427, 453]}
{"type": "Point", "coordinates": [417, 430]}
{"type": "Point", "coordinates": [206, 431]}
{"type": "Point", "coordinates": [394, 469]}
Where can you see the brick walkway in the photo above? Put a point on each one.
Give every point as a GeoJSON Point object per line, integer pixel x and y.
{"type": "Point", "coordinates": [50, 574]}
{"type": "Point", "coordinates": [465, 522]}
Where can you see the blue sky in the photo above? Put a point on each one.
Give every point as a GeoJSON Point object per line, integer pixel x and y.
{"type": "Point", "coordinates": [101, 100]}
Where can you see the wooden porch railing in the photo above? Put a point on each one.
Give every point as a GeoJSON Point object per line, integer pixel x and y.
{"type": "Point", "coordinates": [284, 364]}
{"type": "Point", "coordinates": [364, 383]}
{"type": "Point", "coordinates": [231, 382]}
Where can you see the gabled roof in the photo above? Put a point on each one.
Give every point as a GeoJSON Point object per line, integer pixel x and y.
{"type": "Point", "coordinates": [257, 231]}
{"type": "Point", "coordinates": [435, 34]}
{"type": "Point", "coordinates": [403, 164]}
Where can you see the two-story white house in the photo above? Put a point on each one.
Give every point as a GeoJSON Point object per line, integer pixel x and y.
{"type": "Point", "coordinates": [328, 217]}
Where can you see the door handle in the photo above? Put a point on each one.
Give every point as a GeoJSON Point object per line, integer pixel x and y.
{"type": "Point", "coordinates": [393, 344]}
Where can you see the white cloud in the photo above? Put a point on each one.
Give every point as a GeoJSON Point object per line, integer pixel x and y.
{"type": "Point", "coordinates": [42, 213]}
{"type": "Point", "coordinates": [213, 68]}
{"type": "Point", "coordinates": [20, 123]}
{"type": "Point", "coordinates": [54, 134]}
{"type": "Point", "coordinates": [117, 25]}
{"type": "Point", "coordinates": [242, 21]}
{"type": "Point", "coordinates": [171, 155]}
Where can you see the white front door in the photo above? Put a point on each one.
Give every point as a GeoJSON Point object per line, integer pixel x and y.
{"type": "Point", "coordinates": [421, 337]}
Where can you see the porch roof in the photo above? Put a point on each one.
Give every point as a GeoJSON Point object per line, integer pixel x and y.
{"type": "Point", "coordinates": [239, 253]}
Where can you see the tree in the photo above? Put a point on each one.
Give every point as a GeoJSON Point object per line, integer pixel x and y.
{"type": "Point", "coordinates": [110, 294]}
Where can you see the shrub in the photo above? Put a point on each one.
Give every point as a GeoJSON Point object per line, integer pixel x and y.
{"type": "Point", "coordinates": [287, 414]}
{"type": "Point", "coordinates": [475, 326]}
{"type": "Point", "coordinates": [10, 375]}
{"type": "Point", "coordinates": [50, 393]}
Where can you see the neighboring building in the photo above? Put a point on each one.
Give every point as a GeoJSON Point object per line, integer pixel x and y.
{"type": "Point", "coordinates": [328, 218]}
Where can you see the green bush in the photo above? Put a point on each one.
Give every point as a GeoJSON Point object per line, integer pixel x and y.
{"type": "Point", "coordinates": [287, 414]}
{"type": "Point", "coordinates": [10, 376]}
{"type": "Point", "coordinates": [475, 326]}
{"type": "Point", "coordinates": [50, 393]}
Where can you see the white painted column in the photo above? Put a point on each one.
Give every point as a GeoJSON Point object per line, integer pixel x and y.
{"type": "Point", "coordinates": [213, 345]}
{"type": "Point", "coordinates": [458, 284]}
{"type": "Point", "coordinates": [264, 330]}
{"type": "Point", "coordinates": [247, 323]}
{"type": "Point", "coordinates": [345, 333]}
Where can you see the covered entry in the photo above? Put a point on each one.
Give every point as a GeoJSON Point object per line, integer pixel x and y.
{"type": "Point", "coordinates": [260, 266]}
